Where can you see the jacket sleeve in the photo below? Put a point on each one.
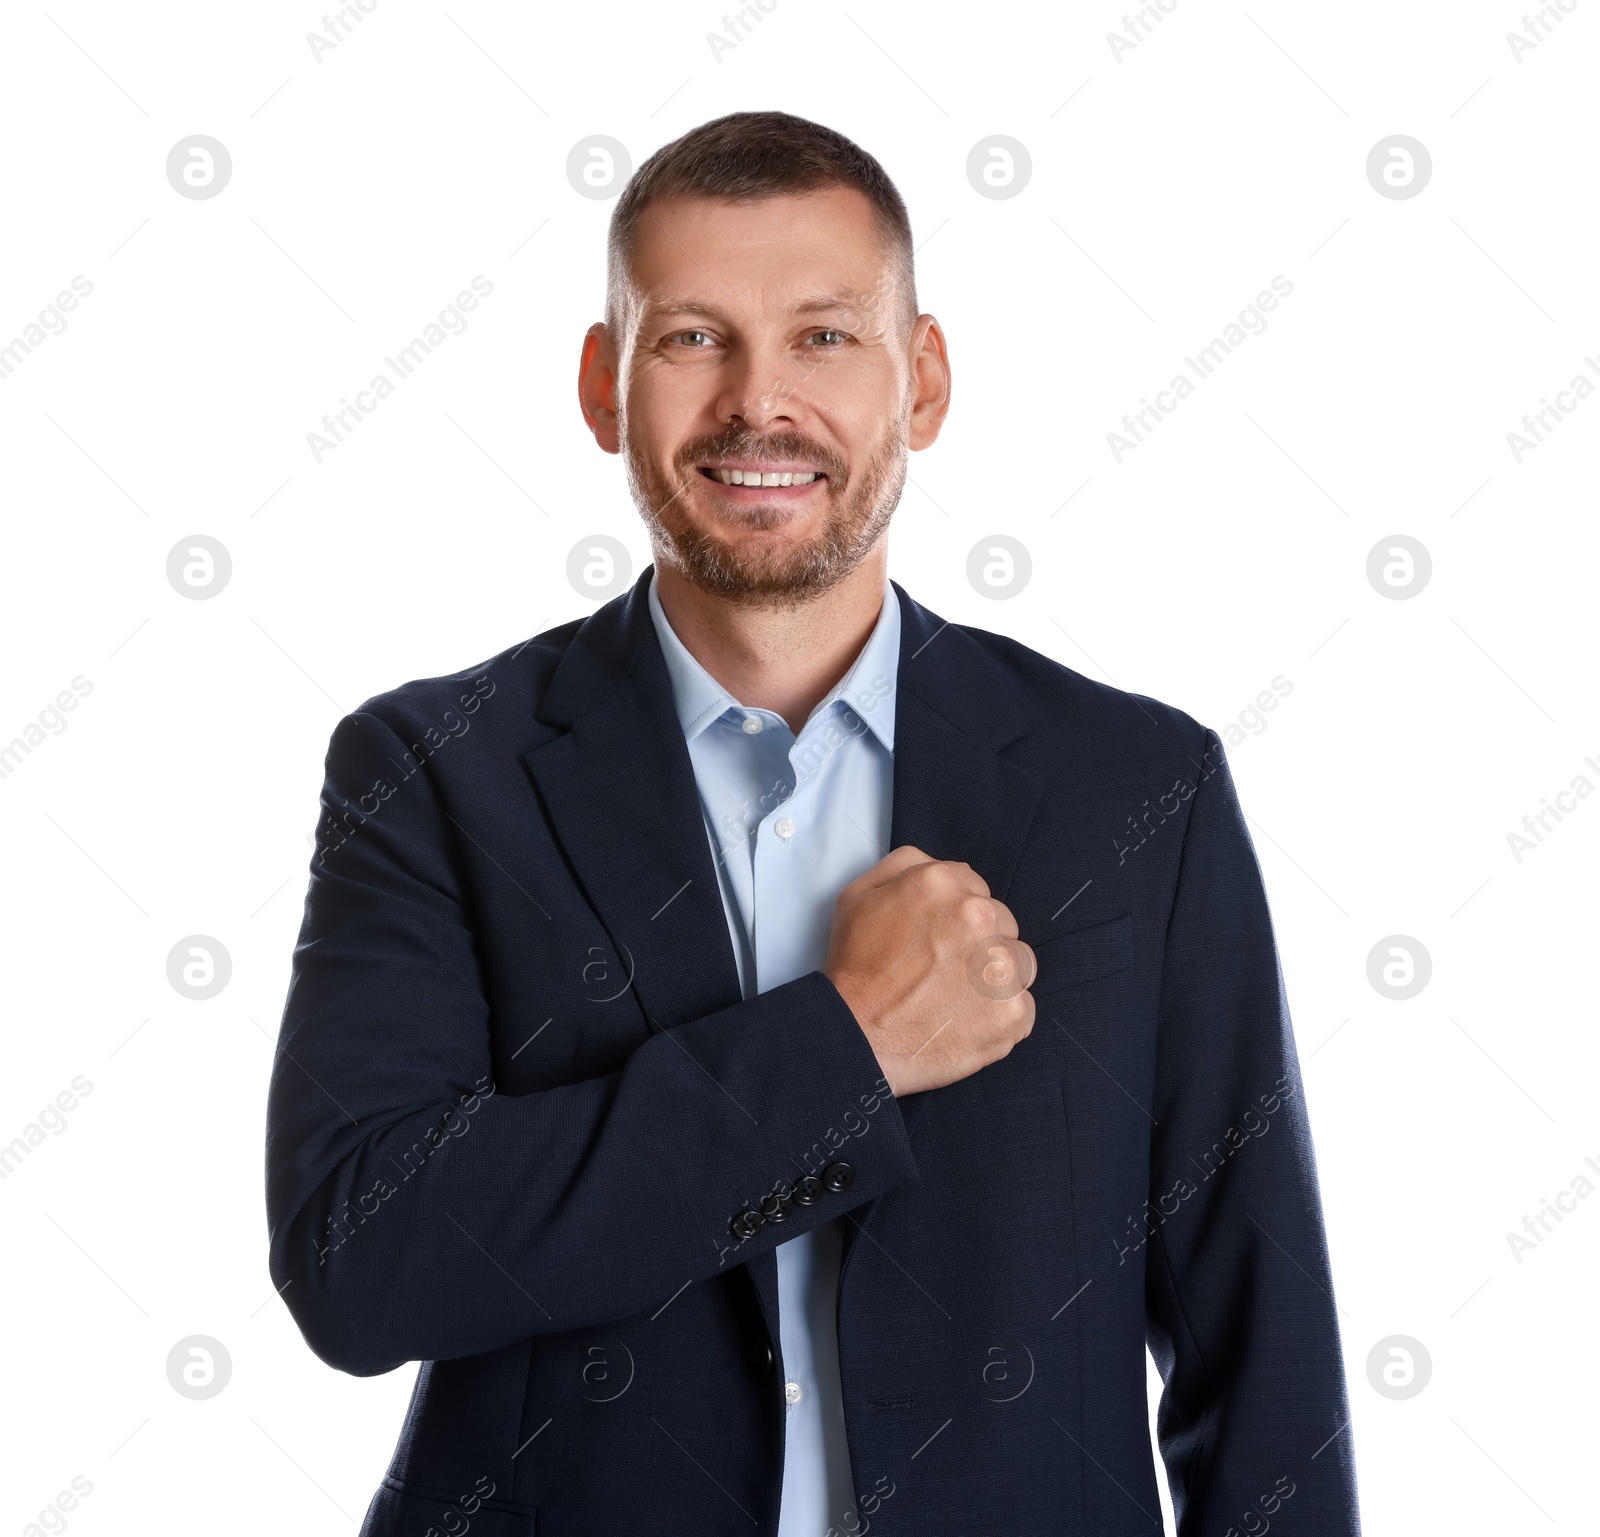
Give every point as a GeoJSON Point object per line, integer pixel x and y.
{"type": "Point", "coordinates": [418, 1214]}
{"type": "Point", "coordinates": [1240, 1311]}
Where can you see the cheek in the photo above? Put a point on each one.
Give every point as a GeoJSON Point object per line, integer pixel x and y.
{"type": "Point", "coordinates": [862, 389]}
{"type": "Point", "coordinates": [666, 404]}
{"type": "Point", "coordinates": [865, 407]}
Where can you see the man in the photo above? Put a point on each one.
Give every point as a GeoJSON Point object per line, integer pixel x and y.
{"type": "Point", "coordinates": [773, 1056]}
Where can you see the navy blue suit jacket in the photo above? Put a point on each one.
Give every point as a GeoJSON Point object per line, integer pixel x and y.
{"type": "Point", "coordinates": [518, 1101]}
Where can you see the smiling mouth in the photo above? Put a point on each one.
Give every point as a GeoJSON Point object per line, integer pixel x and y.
{"type": "Point", "coordinates": [765, 479]}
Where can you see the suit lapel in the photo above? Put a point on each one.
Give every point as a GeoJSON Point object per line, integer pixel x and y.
{"type": "Point", "coordinates": [619, 789]}
{"type": "Point", "coordinates": [620, 792]}
{"type": "Point", "coordinates": [955, 795]}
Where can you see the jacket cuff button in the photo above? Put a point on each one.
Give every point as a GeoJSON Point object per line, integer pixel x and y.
{"type": "Point", "coordinates": [747, 1224]}
{"type": "Point", "coordinates": [838, 1176]}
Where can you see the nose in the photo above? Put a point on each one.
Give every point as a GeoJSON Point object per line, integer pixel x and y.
{"type": "Point", "coordinates": [760, 388]}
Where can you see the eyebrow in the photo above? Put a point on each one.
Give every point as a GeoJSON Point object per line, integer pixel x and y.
{"type": "Point", "coordinates": [825, 302]}
{"type": "Point", "coordinates": [810, 305]}
{"type": "Point", "coordinates": [658, 307]}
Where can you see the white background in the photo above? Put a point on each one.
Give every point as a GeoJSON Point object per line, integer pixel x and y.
{"type": "Point", "coordinates": [1168, 187]}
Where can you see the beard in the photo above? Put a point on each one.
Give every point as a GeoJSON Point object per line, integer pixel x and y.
{"type": "Point", "coordinates": [859, 509]}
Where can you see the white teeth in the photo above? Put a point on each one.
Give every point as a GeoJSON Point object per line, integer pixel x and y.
{"type": "Point", "coordinates": [768, 478]}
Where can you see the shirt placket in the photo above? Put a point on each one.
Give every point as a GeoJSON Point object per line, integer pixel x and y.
{"type": "Point", "coordinates": [777, 897]}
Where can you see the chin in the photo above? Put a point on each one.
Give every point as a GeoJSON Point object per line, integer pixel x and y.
{"type": "Point", "coordinates": [755, 569]}
{"type": "Point", "coordinates": [757, 527]}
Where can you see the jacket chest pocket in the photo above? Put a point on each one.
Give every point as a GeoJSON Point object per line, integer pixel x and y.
{"type": "Point", "coordinates": [1088, 954]}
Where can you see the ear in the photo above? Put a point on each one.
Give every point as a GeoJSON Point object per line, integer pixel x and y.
{"type": "Point", "coordinates": [597, 387]}
{"type": "Point", "coordinates": [930, 381]}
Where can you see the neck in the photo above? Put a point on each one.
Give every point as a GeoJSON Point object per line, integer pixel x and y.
{"type": "Point", "coordinates": [784, 659]}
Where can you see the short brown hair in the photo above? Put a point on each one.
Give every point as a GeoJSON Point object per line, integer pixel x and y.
{"type": "Point", "coordinates": [754, 155]}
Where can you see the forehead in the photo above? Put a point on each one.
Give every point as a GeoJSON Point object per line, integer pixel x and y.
{"type": "Point", "coordinates": [765, 256]}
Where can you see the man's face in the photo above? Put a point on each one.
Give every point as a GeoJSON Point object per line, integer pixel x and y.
{"type": "Point", "coordinates": [767, 389]}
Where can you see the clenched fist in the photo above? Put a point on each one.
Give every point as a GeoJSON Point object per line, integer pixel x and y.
{"type": "Point", "coordinates": [932, 968]}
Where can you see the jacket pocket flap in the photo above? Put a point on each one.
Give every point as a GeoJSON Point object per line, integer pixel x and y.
{"type": "Point", "coordinates": [1084, 955]}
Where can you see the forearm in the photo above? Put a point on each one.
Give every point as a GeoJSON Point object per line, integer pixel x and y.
{"type": "Point", "coordinates": [573, 1206]}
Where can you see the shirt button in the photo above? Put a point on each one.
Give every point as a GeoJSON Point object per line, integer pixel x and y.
{"type": "Point", "coordinates": [791, 1393]}
{"type": "Point", "coordinates": [752, 725]}
{"type": "Point", "coordinates": [784, 828]}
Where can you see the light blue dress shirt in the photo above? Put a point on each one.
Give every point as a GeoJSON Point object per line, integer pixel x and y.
{"type": "Point", "coordinates": [792, 821]}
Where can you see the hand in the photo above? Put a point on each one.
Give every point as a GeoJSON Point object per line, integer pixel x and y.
{"type": "Point", "coordinates": [932, 968]}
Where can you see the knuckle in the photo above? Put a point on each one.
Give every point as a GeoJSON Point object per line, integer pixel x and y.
{"type": "Point", "coordinates": [1033, 964]}
{"type": "Point", "coordinates": [1013, 1017]}
{"type": "Point", "coordinates": [966, 877]}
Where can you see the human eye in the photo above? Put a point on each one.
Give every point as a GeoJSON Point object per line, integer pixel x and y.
{"type": "Point", "coordinates": [828, 338]}
{"type": "Point", "coordinates": [694, 338]}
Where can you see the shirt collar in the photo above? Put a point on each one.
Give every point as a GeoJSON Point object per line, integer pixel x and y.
{"type": "Point", "coordinates": [868, 688]}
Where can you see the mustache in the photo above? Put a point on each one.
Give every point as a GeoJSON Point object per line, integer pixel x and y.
{"type": "Point", "coordinates": [742, 443]}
